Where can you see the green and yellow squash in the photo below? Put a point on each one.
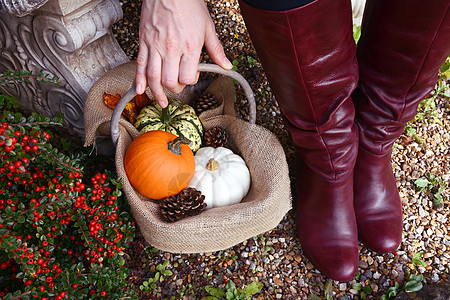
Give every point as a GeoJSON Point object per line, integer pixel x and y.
{"type": "Point", "coordinates": [176, 118]}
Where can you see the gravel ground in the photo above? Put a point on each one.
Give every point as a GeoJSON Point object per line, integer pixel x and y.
{"type": "Point", "coordinates": [275, 258]}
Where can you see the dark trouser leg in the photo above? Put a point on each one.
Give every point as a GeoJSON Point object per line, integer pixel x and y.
{"type": "Point", "coordinates": [277, 5]}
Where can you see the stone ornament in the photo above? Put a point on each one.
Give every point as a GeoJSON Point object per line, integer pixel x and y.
{"type": "Point", "coordinates": [70, 40]}
{"type": "Point", "coordinates": [20, 8]}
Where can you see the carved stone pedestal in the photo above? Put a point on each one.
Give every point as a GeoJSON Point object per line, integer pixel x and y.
{"type": "Point", "coordinates": [70, 39]}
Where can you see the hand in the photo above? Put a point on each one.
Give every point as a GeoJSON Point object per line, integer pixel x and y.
{"type": "Point", "coordinates": [171, 36]}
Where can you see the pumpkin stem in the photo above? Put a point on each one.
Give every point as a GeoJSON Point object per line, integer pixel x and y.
{"type": "Point", "coordinates": [175, 145]}
{"type": "Point", "coordinates": [212, 164]}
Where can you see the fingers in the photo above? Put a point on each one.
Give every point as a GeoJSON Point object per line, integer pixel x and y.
{"type": "Point", "coordinates": [170, 71]}
{"type": "Point", "coordinates": [141, 69]}
{"type": "Point", "coordinates": [173, 73]}
{"type": "Point", "coordinates": [215, 50]}
{"type": "Point", "coordinates": [188, 70]}
{"type": "Point", "coordinates": [154, 79]}
{"type": "Point", "coordinates": [148, 69]}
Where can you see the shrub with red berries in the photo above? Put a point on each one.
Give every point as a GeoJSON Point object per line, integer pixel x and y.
{"type": "Point", "coordinates": [62, 236]}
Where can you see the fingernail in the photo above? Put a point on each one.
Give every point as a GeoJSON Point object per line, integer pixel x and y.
{"type": "Point", "coordinates": [138, 88]}
{"type": "Point", "coordinates": [228, 64]}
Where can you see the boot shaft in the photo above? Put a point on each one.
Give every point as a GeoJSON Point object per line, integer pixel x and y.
{"type": "Point", "coordinates": [309, 58]}
{"type": "Point", "coordinates": [402, 47]}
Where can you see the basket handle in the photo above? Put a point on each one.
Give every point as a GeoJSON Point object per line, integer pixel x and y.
{"type": "Point", "coordinates": [202, 67]}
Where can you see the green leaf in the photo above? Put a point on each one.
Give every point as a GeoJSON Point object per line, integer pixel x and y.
{"type": "Point", "coordinates": [230, 285]}
{"type": "Point", "coordinates": [415, 277]}
{"type": "Point", "coordinates": [230, 295]}
{"type": "Point", "coordinates": [253, 288]}
{"type": "Point", "coordinates": [416, 260]}
{"type": "Point", "coordinates": [165, 263]}
{"type": "Point", "coordinates": [235, 64]}
{"type": "Point", "coordinates": [446, 73]}
{"type": "Point", "coordinates": [422, 182]}
{"type": "Point", "coordinates": [393, 291]}
{"type": "Point", "coordinates": [251, 61]}
{"type": "Point", "coordinates": [356, 33]}
{"type": "Point", "coordinates": [413, 286]}
{"type": "Point", "coordinates": [216, 292]}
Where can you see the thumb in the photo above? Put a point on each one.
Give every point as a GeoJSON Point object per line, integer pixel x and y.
{"type": "Point", "coordinates": [215, 50]}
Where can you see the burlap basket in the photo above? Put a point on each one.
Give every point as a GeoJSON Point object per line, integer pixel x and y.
{"type": "Point", "coordinates": [268, 200]}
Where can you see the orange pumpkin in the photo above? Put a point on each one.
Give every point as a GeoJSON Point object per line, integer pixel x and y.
{"type": "Point", "coordinates": [159, 164]}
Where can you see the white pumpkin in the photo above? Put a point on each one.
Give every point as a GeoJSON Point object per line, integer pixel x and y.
{"type": "Point", "coordinates": [221, 176]}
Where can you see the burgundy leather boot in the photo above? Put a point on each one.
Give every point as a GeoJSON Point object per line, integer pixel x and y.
{"type": "Point", "coordinates": [402, 46]}
{"type": "Point", "coordinates": [308, 55]}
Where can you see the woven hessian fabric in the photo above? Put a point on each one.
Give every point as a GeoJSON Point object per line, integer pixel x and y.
{"type": "Point", "coordinates": [267, 202]}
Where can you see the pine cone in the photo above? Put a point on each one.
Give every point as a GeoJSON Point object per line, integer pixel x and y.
{"type": "Point", "coordinates": [189, 202]}
{"type": "Point", "coordinates": [204, 102]}
{"type": "Point", "coordinates": [216, 137]}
